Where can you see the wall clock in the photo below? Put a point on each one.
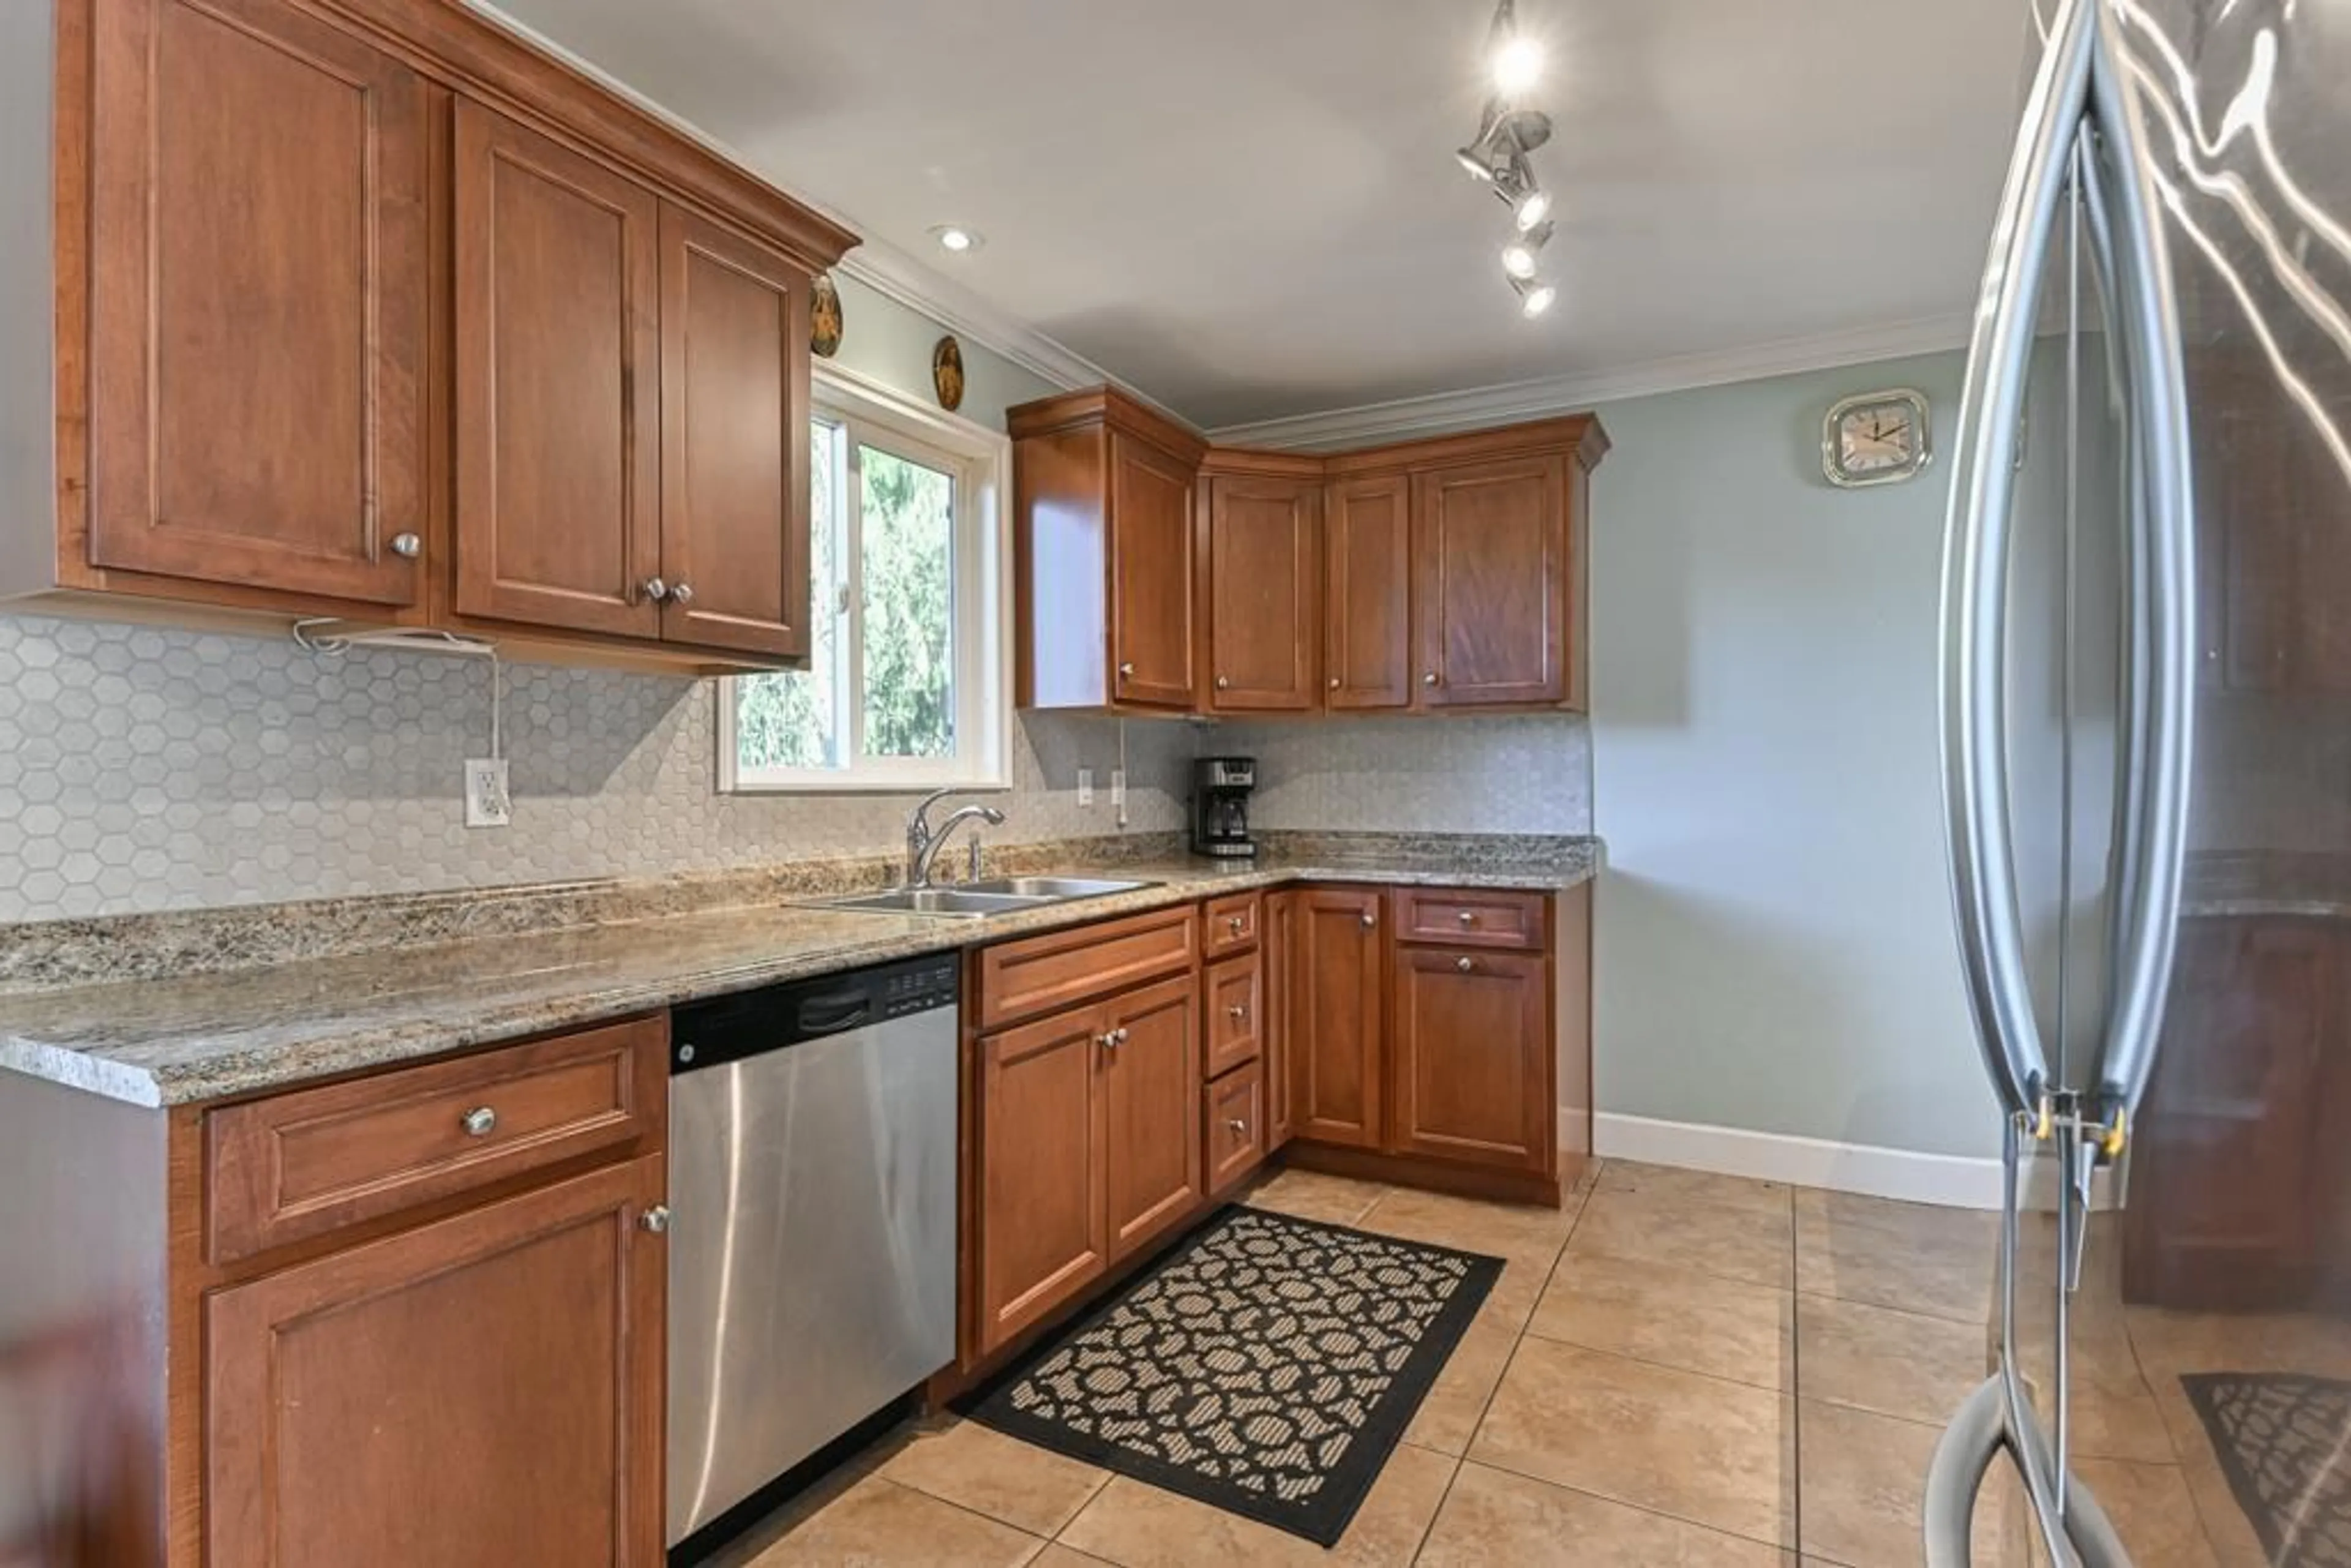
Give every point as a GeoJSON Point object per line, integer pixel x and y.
{"type": "Point", "coordinates": [1877, 438]}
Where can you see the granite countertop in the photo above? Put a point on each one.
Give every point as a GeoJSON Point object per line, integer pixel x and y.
{"type": "Point", "coordinates": [176, 1041]}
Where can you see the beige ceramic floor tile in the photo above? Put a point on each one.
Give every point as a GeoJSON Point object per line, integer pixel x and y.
{"type": "Point", "coordinates": [983, 1470]}
{"type": "Point", "coordinates": [1864, 1477]}
{"type": "Point", "coordinates": [1449, 1417]}
{"type": "Point", "coordinates": [2227, 1530]}
{"type": "Point", "coordinates": [1908, 1256]}
{"type": "Point", "coordinates": [1715, 1453]}
{"type": "Point", "coordinates": [1675, 1317]}
{"type": "Point", "coordinates": [1492, 1517]}
{"type": "Point", "coordinates": [1646, 1228]}
{"type": "Point", "coordinates": [1312, 1195]}
{"type": "Point", "coordinates": [1520, 1233]}
{"type": "Point", "coordinates": [1697, 1186]}
{"type": "Point", "coordinates": [1139, 1526]}
{"type": "Point", "coordinates": [1060, 1556]}
{"type": "Point", "coordinates": [880, 1524]}
{"type": "Point", "coordinates": [1896, 1363]}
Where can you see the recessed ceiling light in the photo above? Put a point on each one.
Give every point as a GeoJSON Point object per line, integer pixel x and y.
{"type": "Point", "coordinates": [957, 238]}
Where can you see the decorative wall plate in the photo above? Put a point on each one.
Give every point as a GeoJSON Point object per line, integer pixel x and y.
{"type": "Point", "coordinates": [824, 317]}
{"type": "Point", "coordinates": [946, 372]}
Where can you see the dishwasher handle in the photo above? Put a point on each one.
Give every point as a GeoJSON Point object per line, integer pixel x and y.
{"type": "Point", "coordinates": [823, 1014]}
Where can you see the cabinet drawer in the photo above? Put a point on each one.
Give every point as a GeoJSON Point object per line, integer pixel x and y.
{"type": "Point", "coordinates": [1236, 1004]}
{"type": "Point", "coordinates": [1044, 973]}
{"type": "Point", "coordinates": [1235, 1111]}
{"type": "Point", "coordinates": [306, 1162]}
{"type": "Point", "coordinates": [1232, 924]}
{"type": "Point", "coordinates": [1470, 917]}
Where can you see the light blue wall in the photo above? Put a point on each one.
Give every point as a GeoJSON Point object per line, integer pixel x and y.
{"type": "Point", "coordinates": [892, 343]}
{"type": "Point", "coordinates": [1774, 946]}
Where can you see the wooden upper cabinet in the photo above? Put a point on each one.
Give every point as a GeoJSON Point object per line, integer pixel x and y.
{"type": "Point", "coordinates": [1333, 1017]}
{"type": "Point", "coordinates": [1265, 567]}
{"type": "Point", "coordinates": [482, 1391]}
{"type": "Point", "coordinates": [1103, 525]}
{"type": "Point", "coordinates": [1472, 1056]}
{"type": "Point", "coordinates": [1151, 607]}
{"type": "Point", "coordinates": [735, 444]}
{"type": "Point", "coordinates": [1367, 594]}
{"type": "Point", "coordinates": [1151, 1100]}
{"type": "Point", "coordinates": [1490, 583]}
{"type": "Point", "coordinates": [258, 271]}
{"type": "Point", "coordinates": [558, 317]}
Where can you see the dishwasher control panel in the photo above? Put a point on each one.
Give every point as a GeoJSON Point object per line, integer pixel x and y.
{"type": "Point", "coordinates": [750, 1023]}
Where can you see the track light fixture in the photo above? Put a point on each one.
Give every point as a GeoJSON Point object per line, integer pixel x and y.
{"type": "Point", "coordinates": [1497, 156]}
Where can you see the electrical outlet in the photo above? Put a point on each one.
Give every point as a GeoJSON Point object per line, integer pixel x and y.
{"type": "Point", "coordinates": [489, 803]}
{"type": "Point", "coordinates": [1086, 786]}
{"type": "Point", "coordinates": [1118, 788]}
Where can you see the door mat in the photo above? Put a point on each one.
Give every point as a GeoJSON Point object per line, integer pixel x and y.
{"type": "Point", "coordinates": [1267, 1365]}
{"type": "Point", "coordinates": [2284, 1442]}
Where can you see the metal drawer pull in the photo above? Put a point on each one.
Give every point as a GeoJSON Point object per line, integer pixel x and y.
{"type": "Point", "coordinates": [655, 1219]}
{"type": "Point", "coordinates": [1464, 964]}
{"type": "Point", "coordinates": [480, 1121]}
{"type": "Point", "coordinates": [1469, 917]}
{"type": "Point", "coordinates": [1235, 924]}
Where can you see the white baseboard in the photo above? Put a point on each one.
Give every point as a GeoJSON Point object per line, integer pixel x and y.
{"type": "Point", "coordinates": [1951, 1180]}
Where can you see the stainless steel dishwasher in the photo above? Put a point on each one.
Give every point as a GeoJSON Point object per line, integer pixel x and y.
{"type": "Point", "coordinates": [812, 1257]}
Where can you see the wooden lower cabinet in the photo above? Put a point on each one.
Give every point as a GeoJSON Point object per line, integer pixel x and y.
{"type": "Point", "coordinates": [1043, 1217]}
{"type": "Point", "coordinates": [1472, 1056]}
{"type": "Point", "coordinates": [1334, 1016]}
{"type": "Point", "coordinates": [1150, 1097]}
{"type": "Point", "coordinates": [1281, 927]}
{"type": "Point", "coordinates": [1233, 1126]}
{"type": "Point", "coordinates": [481, 1391]}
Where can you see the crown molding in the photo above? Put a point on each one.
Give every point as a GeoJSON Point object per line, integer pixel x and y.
{"type": "Point", "coordinates": [1444, 413]}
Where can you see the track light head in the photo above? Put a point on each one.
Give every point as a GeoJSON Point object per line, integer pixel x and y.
{"type": "Point", "coordinates": [1519, 256]}
{"type": "Point", "coordinates": [1535, 296]}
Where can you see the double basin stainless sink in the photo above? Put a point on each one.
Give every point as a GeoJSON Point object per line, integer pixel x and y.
{"type": "Point", "coordinates": [974, 900]}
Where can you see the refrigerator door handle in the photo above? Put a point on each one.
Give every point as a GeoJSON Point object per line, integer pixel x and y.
{"type": "Point", "coordinates": [2152, 858]}
{"type": "Point", "coordinates": [1975, 570]}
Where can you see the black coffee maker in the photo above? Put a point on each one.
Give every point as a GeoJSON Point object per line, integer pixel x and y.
{"type": "Point", "coordinates": [1220, 793]}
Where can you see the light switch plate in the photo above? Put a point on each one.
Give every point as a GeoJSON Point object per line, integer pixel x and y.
{"type": "Point", "coordinates": [1118, 788]}
{"type": "Point", "coordinates": [1086, 786]}
{"type": "Point", "coordinates": [489, 803]}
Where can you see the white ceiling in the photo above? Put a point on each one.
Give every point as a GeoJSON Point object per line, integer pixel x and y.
{"type": "Point", "coordinates": [1248, 208]}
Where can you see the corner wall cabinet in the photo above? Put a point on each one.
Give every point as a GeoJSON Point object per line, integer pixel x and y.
{"type": "Point", "coordinates": [541, 374]}
{"type": "Point", "coordinates": [1426, 576]}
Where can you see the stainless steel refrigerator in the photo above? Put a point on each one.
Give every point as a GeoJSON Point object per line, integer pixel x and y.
{"type": "Point", "coordinates": [2146, 715]}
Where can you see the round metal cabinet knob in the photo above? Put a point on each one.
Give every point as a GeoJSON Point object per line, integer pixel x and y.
{"type": "Point", "coordinates": [1370, 919]}
{"type": "Point", "coordinates": [1236, 923]}
{"type": "Point", "coordinates": [681, 594]}
{"type": "Point", "coordinates": [1224, 683]}
{"type": "Point", "coordinates": [1335, 683]}
{"type": "Point", "coordinates": [1464, 964]}
{"type": "Point", "coordinates": [1469, 917]}
{"type": "Point", "coordinates": [1429, 679]}
{"type": "Point", "coordinates": [408, 547]}
{"type": "Point", "coordinates": [655, 1219]}
{"type": "Point", "coordinates": [1237, 1125]}
{"type": "Point", "coordinates": [1237, 1011]}
{"type": "Point", "coordinates": [1125, 672]}
{"type": "Point", "coordinates": [480, 1121]}
{"type": "Point", "coordinates": [655, 589]}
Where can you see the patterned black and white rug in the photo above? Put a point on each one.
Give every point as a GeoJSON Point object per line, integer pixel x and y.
{"type": "Point", "coordinates": [1266, 1366]}
{"type": "Point", "coordinates": [2282, 1439]}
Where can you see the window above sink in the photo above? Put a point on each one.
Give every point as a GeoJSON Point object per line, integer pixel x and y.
{"type": "Point", "coordinates": [908, 684]}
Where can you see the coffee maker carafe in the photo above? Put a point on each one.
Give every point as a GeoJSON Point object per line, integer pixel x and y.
{"type": "Point", "coordinates": [1220, 793]}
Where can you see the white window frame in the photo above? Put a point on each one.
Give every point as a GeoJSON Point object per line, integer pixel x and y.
{"type": "Point", "coordinates": [981, 461]}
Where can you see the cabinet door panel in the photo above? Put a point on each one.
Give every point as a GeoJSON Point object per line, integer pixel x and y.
{"type": "Point", "coordinates": [1366, 595]}
{"type": "Point", "coordinates": [1336, 1019]}
{"type": "Point", "coordinates": [1490, 580]}
{"type": "Point", "coordinates": [1264, 571]}
{"type": "Point", "coordinates": [558, 344]}
{"type": "Point", "coordinates": [480, 1392]}
{"type": "Point", "coordinates": [1235, 1130]}
{"type": "Point", "coordinates": [1235, 989]}
{"type": "Point", "coordinates": [1151, 1095]}
{"type": "Point", "coordinates": [1281, 945]}
{"type": "Point", "coordinates": [1042, 1202]}
{"type": "Point", "coordinates": [735, 443]}
{"type": "Point", "coordinates": [258, 271]}
{"type": "Point", "coordinates": [1473, 1057]}
{"type": "Point", "coordinates": [1151, 575]}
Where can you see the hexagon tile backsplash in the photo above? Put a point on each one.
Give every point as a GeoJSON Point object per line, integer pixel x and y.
{"type": "Point", "coordinates": [144, 770]}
